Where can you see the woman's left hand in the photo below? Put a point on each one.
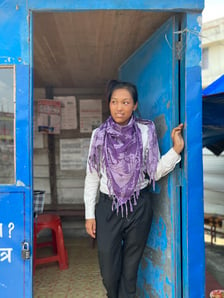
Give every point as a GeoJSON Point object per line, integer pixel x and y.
{"type": "Point", "coordinates": [178, 141]}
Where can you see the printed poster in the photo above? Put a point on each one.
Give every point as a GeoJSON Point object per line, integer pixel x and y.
{"type": "Point", "coordinates": [74, 153]}
{"type": "Point", "coordinates": [68, 111]}
{"type": "Point", "coordinates": [90, 114]}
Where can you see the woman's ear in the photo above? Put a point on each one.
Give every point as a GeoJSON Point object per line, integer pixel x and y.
{"type": "Point", "coordinates": [135, 106]}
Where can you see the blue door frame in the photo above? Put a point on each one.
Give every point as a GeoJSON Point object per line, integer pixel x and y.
{"type": "Point", "coordinates": [16, 51]}
{"type": "Point", "coordinates": [192, 201]}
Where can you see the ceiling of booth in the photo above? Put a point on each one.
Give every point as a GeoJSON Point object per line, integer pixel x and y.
{"type": "Point", "coordinates": [85, 49]}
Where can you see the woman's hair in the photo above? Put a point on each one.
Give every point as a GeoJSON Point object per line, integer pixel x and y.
{"type": "Point", "coordinates": [114, 85]}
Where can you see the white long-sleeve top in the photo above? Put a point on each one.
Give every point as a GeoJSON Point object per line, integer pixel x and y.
{"type": "Point", "coordinates": [93, 181]}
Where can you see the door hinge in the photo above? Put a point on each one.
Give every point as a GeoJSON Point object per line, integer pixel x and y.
{"type": "Point", "coordinates": [25, 250]}
{"type": "Point", "coordinates": [179, 49]}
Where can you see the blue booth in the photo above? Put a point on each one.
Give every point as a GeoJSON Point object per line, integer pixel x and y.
{"type": "Point", "coordinates": [157, 46]}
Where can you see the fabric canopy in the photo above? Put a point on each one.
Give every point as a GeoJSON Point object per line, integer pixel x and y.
{"type": "Point", "coordinates": [213, 116]}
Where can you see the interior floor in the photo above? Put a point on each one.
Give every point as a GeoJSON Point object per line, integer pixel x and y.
{"type": "Point", "coordinates": [82, 278]}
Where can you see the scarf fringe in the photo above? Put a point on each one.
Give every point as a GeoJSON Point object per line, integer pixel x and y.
{"type": "Point", "coordinates": [124, 207]}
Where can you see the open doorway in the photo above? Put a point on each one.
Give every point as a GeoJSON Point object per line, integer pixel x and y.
{"type": "Point", "coordinates": [75, 54]}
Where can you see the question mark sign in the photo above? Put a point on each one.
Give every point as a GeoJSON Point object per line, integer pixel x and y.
{"type": "Point", "coordinates": [11, 226]}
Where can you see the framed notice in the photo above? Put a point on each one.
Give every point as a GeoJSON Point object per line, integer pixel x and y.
{"type": "Point", "coordinates": [90, 114]}
{"type": "Point", "coordinates": [49, 116]}
{"type": "Point", "coordinates": [68, 111]}
{"type": "Point", "coordinates": [74, 153]}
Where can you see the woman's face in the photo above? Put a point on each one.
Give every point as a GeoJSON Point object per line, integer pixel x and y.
{"type": "Point", "coordinates": [121, 106]}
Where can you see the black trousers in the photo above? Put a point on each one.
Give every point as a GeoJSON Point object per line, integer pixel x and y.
{"type": "Point", "coordinates": [121, 242]}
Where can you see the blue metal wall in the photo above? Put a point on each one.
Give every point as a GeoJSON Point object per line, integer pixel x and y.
{"type": "Point", "coordinates": [175, 5]}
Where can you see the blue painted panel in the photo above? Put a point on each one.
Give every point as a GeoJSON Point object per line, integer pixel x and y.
{"type": "Point", "coordinates": [23, 126]}
{"type": "Point", "coordinates": [153, 69]}
{"type": "Point", "coordinates": [12, 233]}
{"type": "Point", "coordinates": [16, 200]}
{"type": "Point", "coordinates": [178, 5]}
{"type": "Point", "coordinates": [14, 32]}
{"type": "Point", "coordinates": [192, 202]}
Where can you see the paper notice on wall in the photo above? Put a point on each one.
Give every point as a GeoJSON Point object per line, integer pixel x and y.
{"type": "Point", "coordinates": [68, 111]}
{"type": "Point", "coordinates": [49, 116]}
{"type": "Point", "coordinates": [74, 153]}
{"type": "Point", "coordinates": [90, 114]}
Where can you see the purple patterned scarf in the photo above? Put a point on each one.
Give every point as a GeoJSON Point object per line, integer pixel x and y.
{"type": "Point", "coordinates": [118, 149]}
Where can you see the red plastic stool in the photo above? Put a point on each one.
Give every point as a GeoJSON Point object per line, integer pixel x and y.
{"type": "Point", "coordinates": [52, 222]}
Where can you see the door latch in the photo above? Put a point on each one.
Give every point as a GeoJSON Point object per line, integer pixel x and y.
{"type": "Point", "coordinates": [25, 250]}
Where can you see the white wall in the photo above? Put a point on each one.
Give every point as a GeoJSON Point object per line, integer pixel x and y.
{"type": "Point", "coordinates": [70, 184]}
{"type": "Point", "coordinates": [213, 39]}
{"type": "Point", "coordinates": [213, 182]}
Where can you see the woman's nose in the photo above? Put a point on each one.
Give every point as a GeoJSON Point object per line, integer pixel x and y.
{"type": "Point", "coordinates": [119, 106]}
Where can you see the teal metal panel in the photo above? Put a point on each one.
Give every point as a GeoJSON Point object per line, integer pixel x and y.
{"type": "Point", "coordinates": [192, 201]}
{"type": "Point", "coordinates": [154, 69]}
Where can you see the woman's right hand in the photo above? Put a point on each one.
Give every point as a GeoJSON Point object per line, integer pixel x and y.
{"type": "Point", "coordinates": [178, 141]}
{"type": "Point", "coordinates": [91, 227]}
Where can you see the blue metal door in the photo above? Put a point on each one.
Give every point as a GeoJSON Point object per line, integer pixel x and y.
{"type": "Point", "coordinates": [154, 69]}
{"type": "Point", "coordinates": [15, 153]}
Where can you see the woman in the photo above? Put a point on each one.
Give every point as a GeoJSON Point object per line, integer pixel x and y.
{"type": "Point", "coordinates": [123, 161]}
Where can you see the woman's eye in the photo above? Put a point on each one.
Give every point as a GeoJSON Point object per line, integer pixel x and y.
{"type": "Point", "coordinates": [126, 102]}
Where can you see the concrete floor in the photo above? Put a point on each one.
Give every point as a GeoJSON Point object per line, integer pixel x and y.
{"type": "Point", "coordinates": [214, 264]}
{"type": "Point", "coordinates": [214, 257]}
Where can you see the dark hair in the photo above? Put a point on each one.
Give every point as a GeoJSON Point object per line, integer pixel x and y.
{"type": "Point", "coordinates": [114, 85]}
